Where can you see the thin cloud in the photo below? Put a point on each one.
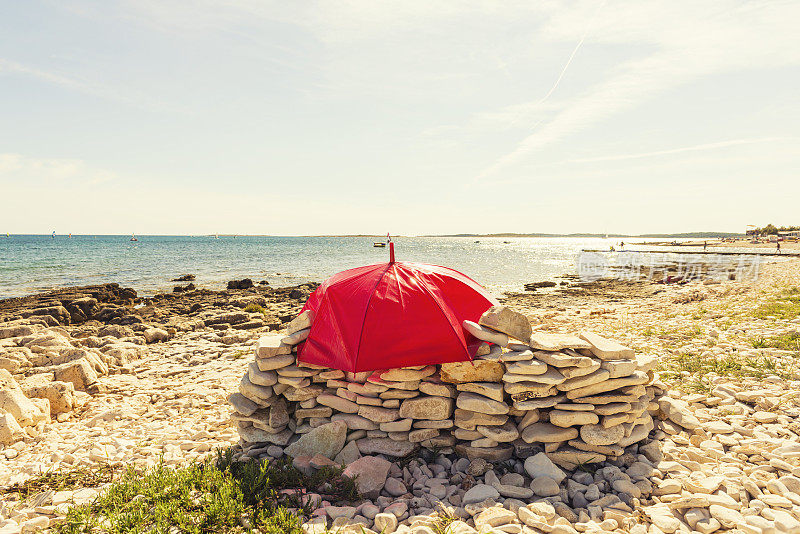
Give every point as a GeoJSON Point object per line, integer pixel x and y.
{"type": "Point", "coordinates": [690, 44]}
{"type": "Point", "coordinates": [682, 150]}
{"type": "Point", "coordinates": [16, 167]}
{"type": "Point", "coordinates": [92, 89]}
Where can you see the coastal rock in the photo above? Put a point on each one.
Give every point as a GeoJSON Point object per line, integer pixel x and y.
{"type": "Point", "coordinates": [79, 372]}
{"type": "Point", "coordinates": [10, 431]}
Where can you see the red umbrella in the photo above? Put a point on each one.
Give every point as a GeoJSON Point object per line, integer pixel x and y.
{"type": "Point", "coordinates": [396, 314]}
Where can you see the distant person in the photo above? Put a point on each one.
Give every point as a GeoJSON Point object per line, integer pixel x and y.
{"type": "Point", "coordinates": [705, 245]}
{"type": "Point", "coordinates": [611, 248]}
{"type": "Point", "coordinates": [622, 244]}
{"type": "Point", "coordinates": [779, 247]}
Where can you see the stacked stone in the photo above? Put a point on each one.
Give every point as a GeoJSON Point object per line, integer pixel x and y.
{"type": "Point", "coordinates": [580, 399]}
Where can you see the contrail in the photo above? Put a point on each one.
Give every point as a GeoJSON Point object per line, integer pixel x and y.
{"type": "Point", "coordinates": [566, 66]}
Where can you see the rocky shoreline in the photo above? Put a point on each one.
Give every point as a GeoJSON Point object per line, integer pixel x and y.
{"type": "Point", "coordinates": [152, 377]}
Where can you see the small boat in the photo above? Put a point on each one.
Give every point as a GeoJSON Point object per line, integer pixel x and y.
{"type": "Point", "coordinates": [379, 244]}
{"type": "Point", "coordinates": [54, 235]}
{"type": "Point", "coordinates": [133, 238]}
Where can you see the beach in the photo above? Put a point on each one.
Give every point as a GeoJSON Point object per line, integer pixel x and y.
{"type": "Point", "coordinates": [157, 392]}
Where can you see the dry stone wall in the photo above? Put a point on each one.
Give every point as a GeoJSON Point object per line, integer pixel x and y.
{"type": "Point", "coordinates": [579, 398]}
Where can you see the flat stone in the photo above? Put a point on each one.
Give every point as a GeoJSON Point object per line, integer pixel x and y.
{"type": "Point", "coordinates": [538, 404]}
{"type": "Point", "coordinates": [326, 440]}
{"type": "Point", "coordinates": [517, 355]}
{"type": "Point", "coordinates": [539, 465]}
{"type": "Point", "coordinates": [479, 493]}
{"type": "Point", "coordinates": [338, 403]}
{"type": "Point", "coordinates": [600, 375]}
{"type": "Point", "coordinates": [377, 414]}
{"type": "Point", "coordinates": [547, 433]}
{"type": "Point", "coordinates": [565, 418]}
{"type": "Point", "coordinates": [474, 371]}
{"type": "Point", "coordinates": [637, 378]}
{"type": "Point", "coordinates": [598, 435]}
{"type": "Point", "coordinates": [296, 337]}
{"type": "Point", "coordinates": [545, 487]}
{"type": "Point", "coordinates": [556, 342]}
{"type": "Point", "coordinates": [386, 446]}
{"type": "Point", "coordinates": [354, 421]}
{"type": "Point", "coordinates": [370, 474]}
{"type": "Point", "coordinates": [607, 349]}
{"type": "Point", "coordinates": [468, 419]}
{"type": "Point", "coordinates": [479, 403]}
{"type": "Point", "coordinates": [407, 374]}
{"type": "Point", "coordinates": [275, 362]}
{"type": "Point", "coordinates": [530, 367]}
{"type": "Point", "coordinates": [494, 517]}
{"type": "Point", "coordinates": [436, 389]}
{"type": "Point", "coordinates": [613, 408]}
{"type": "Point", "coordinates": [502, 434]}
{"type": "Point", "coordinates": [510, 322]}
{"type": "Point", "coordinates": [619, 368]}
{"type": "Point", "coordinates": [348, 454]}
{"type": "Point", "coordinates": [242, 404]}
{"type": "Point", "coordinates": [402, 425]}
{"type": "Point", "coordinates": [488, 389]}
{"type": "Point", "coordinates": [418, 436]}
{"type": "Point", "coordinates": [493, 454]}
{"type": "Point", "coordinates": [433, 408]}
{"type": "Point", "coordinates": [301, 322]}
{"type": "Point", "coordinates": [270, 345]}
{"type": "Point", "coordinates": [570, 459]}
{"type": "Point", "coordinates": [485, 334]}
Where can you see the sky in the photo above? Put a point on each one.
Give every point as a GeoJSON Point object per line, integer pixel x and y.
{"type": "Point", "coordinates": [412, 117]}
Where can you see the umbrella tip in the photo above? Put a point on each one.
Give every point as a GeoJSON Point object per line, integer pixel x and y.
{"type": "Point", "coordinates": [391, 252]}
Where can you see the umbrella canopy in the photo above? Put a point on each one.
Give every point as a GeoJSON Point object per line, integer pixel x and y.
{"type": "Point", "coordinates": [389, 315]}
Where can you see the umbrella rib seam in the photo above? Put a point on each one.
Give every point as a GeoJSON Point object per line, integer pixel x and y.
{"type": "Point", "coordinates": [364, 319]}
{"type": "Point", "coordinates": [424, 285]}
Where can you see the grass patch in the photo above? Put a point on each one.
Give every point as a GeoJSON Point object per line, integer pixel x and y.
{"type": "Point", "coordinates": [255, 308]}
{"type": "Point", "coordinates": [81, 477]}
{"type": "Point", "coordinates": [442, 519]}
{"type": "Point", "coordinates": [788, 341]}
{"type": "Point", "coordinates": [785, 306]}
{"type": "Point", "coordinates": [734, 365]}
{"type": "Point", "coordinates": [216, 495]}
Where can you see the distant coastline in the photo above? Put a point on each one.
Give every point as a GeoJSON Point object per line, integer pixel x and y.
{"type": "Point", "coordinates": [707, 235]}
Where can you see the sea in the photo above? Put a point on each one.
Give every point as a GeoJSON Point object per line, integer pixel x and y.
{"type": "Point", "coordinates": [35, 263]}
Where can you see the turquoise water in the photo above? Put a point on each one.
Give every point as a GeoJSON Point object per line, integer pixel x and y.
{"type": "Point", "coordinates": [35, 263]}
{"type": "Point", "coordinates": [31, 263]}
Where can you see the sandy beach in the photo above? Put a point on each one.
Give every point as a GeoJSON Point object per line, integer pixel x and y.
{"type": "Point", "coordinates": [728, 352]}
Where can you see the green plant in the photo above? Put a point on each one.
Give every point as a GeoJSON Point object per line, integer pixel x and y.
{"type": "Point", "coordinates": [215, 495]}
{"type": "Point", "coordinates": [63, 479]}
{"type": "Point", "coordinates": [786, 305]}
{"type": "Point", "coordinates": [255, 308]}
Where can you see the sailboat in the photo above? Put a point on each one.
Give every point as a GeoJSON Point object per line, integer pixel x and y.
{"type": "Point", "coordinates": [133, 237]}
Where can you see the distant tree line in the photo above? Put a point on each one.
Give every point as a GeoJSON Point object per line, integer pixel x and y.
{"type": "Point", "coordinates": [771, 229]}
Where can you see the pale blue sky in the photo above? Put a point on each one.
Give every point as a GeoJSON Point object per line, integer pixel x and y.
{"type": "Point", "coordinates": [245, 116]}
